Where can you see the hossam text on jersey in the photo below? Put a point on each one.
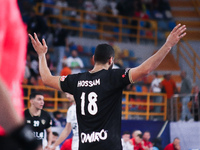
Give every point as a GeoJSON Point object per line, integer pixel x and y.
{"type": "Point", "coordinates": [87, 83]}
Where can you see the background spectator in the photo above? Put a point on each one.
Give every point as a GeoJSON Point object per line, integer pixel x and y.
{"type": "Point", "coordinates": [65, 70]}
{"type": "Point", "coordinates": [75, 62]}
{"type": "Point", "coordinates": [78, 4]}
{"type": "Point", "coordinates": [27, 73]}
{"type": "Point", "coordinates": [157, 144]}
{"type": "Point", "coordinates": [186, 88]}
{"type": "Point", "coordinates": [170, 89]}
{"type": "Point", "coordinates": [113, 5]}
{"type": "Point", "coordinates": [100, 5]}
{"type": "Point", "coordinates": [89, 6]}
{"type": "Point", "coordinates": [155, 88]}
{"type": "Point", "coordinates": [60, 3]}
{"type": "Point", "coordinates": [49, 40]}
{"type": "Point", "coordinates": [135, 133]}
{"type": "Point", "coordinates": [48, 9]}
{"type": "Point", "coordinates": [147, 144]}
{"type": "Point", "coordinates": [34, 69]}
{"type": "Point", "coordinates": [37, 24]}
{"type": "Point", "coordinates": [138, 143]}
{"type": "Point", "coordinates": [196, 101]}
{"type": "Point", "coordinates": [50, 63]}
{"type": "Point", "coordinates": [58, 120]}
{"type": "Point", "coordinates": [173, 146]}
{"type": "Point", "coordinates": [60, 45]}
{"type": "Point", "coordinates": [126, 142]}
{"type": "Point", "coordinates": [118, 55]}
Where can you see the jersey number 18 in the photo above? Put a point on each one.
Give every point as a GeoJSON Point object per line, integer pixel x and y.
{"type": "Point", "coordinates": [92, 106]}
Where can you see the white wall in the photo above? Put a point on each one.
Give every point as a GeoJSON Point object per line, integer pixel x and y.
{"type": "Point", "coordinates": [187, 132]}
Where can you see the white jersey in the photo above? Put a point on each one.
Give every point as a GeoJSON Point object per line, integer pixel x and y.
{"type": "Point", "coordinates": [127, 145]}
{"type": "Point", "coordinates": [75, 62]}
{"type": "Point", "coordinates": [155, 85]}
{"type": "Point", "coordinates": [71, 118]}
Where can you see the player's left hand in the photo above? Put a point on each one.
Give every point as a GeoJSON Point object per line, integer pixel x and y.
{"type": "Point", "coordinates": [176, 34]}
{"type": "Point", "coordinates": [40, 48]}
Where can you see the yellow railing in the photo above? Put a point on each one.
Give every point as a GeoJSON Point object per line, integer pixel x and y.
{"type": "Point", "coordinates": [126, 112]}
{"type": "Point", "coordinates": [147, 103]}
{"type": "Point", "coordinates": [190, 57]}
{"type": "Point", "coordinates": [114, 22]}
{"type": "Point", "coordinates": [54, 98]}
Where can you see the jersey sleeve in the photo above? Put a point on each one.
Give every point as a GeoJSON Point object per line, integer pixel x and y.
{"type": "Point", "coordinates": [120, 77]}
{"type": "Point", "coordinates": [67, 83]}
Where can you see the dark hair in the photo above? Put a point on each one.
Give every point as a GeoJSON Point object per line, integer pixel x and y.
{"type": "Point", "coordinates": [157, 142]}
{"type": "Point", "coordinates": [103, 53]}
{"type": "Point", "coordinates": [140, 135]}
{"type": "Point", "coordinates": [55, 113]}
{"type": "Point", "coordinates": [126, 132]}
{"type": "Point", "coordinates": [33, 95]}
{"type": "Point", "coordinates": [55, 133]}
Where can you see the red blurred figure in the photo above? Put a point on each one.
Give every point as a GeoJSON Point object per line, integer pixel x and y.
{"type": "Point", "coordinates": [67, 145]}
{"type": "Point", "coordinates": [173, 146]}
{"type": "Point", "coordinates": [147, 144]}
{"type": "Point", "coordinates": [13, 41]}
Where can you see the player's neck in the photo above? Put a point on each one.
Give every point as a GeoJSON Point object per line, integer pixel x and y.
{"type": "Point", "coordinates": [34, 112]}
{"type": "Point", "coordinates": [98, 67]}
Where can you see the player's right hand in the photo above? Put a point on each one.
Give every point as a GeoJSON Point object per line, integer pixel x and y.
{"type": "Point", "coordinates": [40, 48]}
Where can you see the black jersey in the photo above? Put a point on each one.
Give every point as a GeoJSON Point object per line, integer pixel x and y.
{"type": "Point", "coordinates": [38, 123]}
{"type": "Point", "coordinates": [98, 105]}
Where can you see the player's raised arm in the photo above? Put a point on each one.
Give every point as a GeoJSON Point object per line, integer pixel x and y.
{"type": "Point", "coordinates": [152, 63]}
{"type": "Point", "coordinates": [41, 49]}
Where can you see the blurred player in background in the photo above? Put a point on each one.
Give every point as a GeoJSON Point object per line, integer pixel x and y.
{"type": "Point", "coordinates": [39, 119]}
{"type": "Point", "coordinates": [71, 125]}
{"type": "Point", "coordinates": [12, 64]}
